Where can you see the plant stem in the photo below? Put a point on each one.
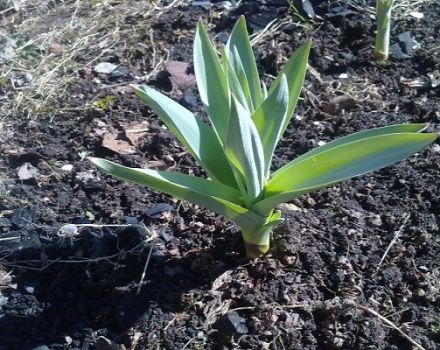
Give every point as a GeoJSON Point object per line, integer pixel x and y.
{"type": "Point", "coordinates": [383, 16]}
{"type": "Point", "coordinates": [257, 242]}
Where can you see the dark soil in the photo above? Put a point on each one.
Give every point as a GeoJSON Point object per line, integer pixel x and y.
{"type": "Point", "coordinates": [311, 292]}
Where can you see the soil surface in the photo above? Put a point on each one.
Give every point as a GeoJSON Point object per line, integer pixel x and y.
{"type": "Point", "coordinates": [354, 266]}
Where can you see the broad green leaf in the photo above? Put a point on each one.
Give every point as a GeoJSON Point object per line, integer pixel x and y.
{"type": "Point", "coordinates": [244, 149]}
{"type": "Point", "coordinates": [264, 89]}
{"type": "Point", "coordinates": [198, 138]}
{"type": "Point", "coordinates": [240, 39]}
{"type": "Point", "coordinates": [269, 120]}
{"type": "Point", "coordinates": [210, 194]}
{"type": "Point", "coordinates": [340, 163]}
{"type": "Point", "coordinates": [211, 81]}
{"type": "Point", "coordinates": [233, 82]}
{"type": "Point", "coordinates": [295, 71]}
{"type": "Point", "coordinates": [392, 129]}
{"type": "Point", "coordinates": [239, 70]}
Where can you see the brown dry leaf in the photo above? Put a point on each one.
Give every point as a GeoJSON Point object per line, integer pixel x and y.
{"type": "Point", "coordinates": [156, 165]}
{"type": "Point", "coordinates": [338, 104]}
{"type": "Point", "coordinates": [134, 132]}
{"type": "Point", "coordinates": [178, 76]}
{"type": "Point", "coordinates": [114, 144]}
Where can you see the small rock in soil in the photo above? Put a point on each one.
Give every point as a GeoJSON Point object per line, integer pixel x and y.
{"type": "Point", "coordinates": [104, 68]}
{"type": "Point", "coordinates": [434, 79]}
{"type": "Point", "coordinates": [410, 45]}
{"type": "Point", "coordinates": [156, 211]}
{"type": "Point", "coordinates": [375, 220]}
{"type": "Point", "coordinates": [67, 168]}
{"type": "Point", "coordinates": [189, 100]}
{"type": "Point", "coordinates": [230, 324]}
{"type": "Point", "coordinates": [103, 343]}
{"type": "Point", "coordinates": [397, 53]}
{"type": "Point", "coordinates": [120, 72]}
{"type": "Point", "coordinates": [5, 222]}
{"type": "Point", "coordinates": [308, 8]}
{"type": "Point", "coordinates": [22, 217]}
{"type": "Point", "coordinates": [27, 172]}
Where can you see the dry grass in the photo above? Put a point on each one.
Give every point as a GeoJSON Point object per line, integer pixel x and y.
{"type": "Point", "coordinates": [51, 46]}
{"type": "Point", "coordinates": [401, 8]}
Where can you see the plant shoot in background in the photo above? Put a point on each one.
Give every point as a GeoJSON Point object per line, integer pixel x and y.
{"type": "Point", "coordinates": [246, 122]}
{"type": "Point", "coordinates": [383, 19]}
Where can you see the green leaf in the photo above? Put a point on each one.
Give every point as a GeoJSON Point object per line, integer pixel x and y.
{"type": "Point", "coordinates": [234, 83]}
{"type": "Point", "coordinates": [240, 40]}
{"type": "Point", "coordinates": [239, 71]}
{"type": "Point", "coordinates": [244, 149]}
{"type": "Point", "coordinates": [295, 71]}
{"type": "Point", "coordinates": [210, 194]}
{"type": "Point", "coordinates": [340, 163]}
{"type": "Point", "coordinates": [392, 129]}
{"type": "Point", "coordinates": [269, 119]}
{"type": "Point", "coordinates": [198, 138]}
{"type": "Point", "coordinates": [211, 81]}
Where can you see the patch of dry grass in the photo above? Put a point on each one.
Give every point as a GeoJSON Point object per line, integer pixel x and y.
{"type": "Point", "coordinates": [45, 48]}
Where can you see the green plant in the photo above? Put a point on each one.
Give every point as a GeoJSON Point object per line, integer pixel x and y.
{"type": "Point", "coordinates": [104, 103]}
{"type": "Point", "coordinates": [383, 18]}
{"type": "Point", "coordinates": [247, 121]}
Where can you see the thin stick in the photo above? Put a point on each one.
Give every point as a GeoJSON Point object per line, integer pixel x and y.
{"type": "Point", "coordinates": [144, 272]}
{"type": "Point", "coordinates": [396, 236]}
{"type": "Point", "coordinates": [388, 322]}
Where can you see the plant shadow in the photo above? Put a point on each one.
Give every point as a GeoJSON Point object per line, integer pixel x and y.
{"type": "Point", "coordinates": [69, 303]}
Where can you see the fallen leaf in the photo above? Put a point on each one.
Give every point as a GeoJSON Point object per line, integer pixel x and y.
{"type": "Point", "coordinates": [134, 132]}
{"type": "Point", "coordinates": [178, 75]}
{"type": "Point", "coordinates": [156, 164]}
{"type": "Point", "coordinates": [338, 104]}
{"type": "Point", "coordinates": [111, 142]}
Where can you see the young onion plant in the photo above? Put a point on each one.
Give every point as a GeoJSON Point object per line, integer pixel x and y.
{"type": "Point", "coordinates": [383, 18]}
{"type": "Point", "coordinates": [236, 148]}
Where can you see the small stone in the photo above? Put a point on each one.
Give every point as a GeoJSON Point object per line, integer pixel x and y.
{"type": "Point", "coordinates": [375, 220]}
{"type": "Point", "coordinates": [104, 68]}
{"type": "Point", "coordinates": [308, 8]}
{"type": "Point", "coordinates": [29, 289]}
{"type": "Point", "coordinates": [120, 72]}
{"type": "Point", "coordinates": [343, 76]}
{"type": "Point", "coordinates": [397, 53]}
{"type": "Point", "coordinates": [22, 217]}
{"type": "Point", "coordinates": [289, 207]}
{"type": "Point", "coordinates": [231, 324]}
{"type": "Point", "coordinates": [156, 211]}
{"type": "Point", "coordinates": [434, 78]}
{"type": "Point", "coordinates": [69, 230]}
{"type": "Point", "coordinates": [27, 172]}
{"type": "Point", "coordinates": [103, 343]}
{"type": "Point", "coordinates": [67, 168]}
{"type": "Point", "coordinates": [410, 45]}
{"type": "Point", "coordinates": [310, 202]}
{"type": "Point", "coordinates": [416, 14]}
{"type": "Point", "coordinates": [5, 222]}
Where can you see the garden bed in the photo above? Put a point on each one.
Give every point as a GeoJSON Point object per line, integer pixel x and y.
{"type": "Point", "coordinates": [354, 266]}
